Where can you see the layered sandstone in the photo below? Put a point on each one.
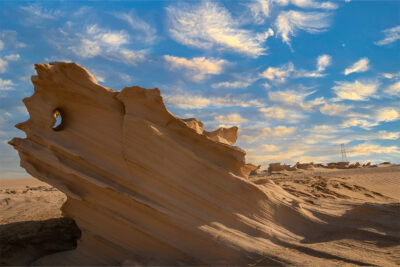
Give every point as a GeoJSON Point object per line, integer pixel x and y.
{"type": "Point", "coordinates": [146, 187]}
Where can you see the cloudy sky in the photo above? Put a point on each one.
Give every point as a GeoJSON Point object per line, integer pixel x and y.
{"type": "Point", "coordinates": [299, 77]}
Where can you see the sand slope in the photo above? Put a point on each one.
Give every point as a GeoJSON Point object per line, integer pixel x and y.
{"type": "Point", "coordinates": [359, 223]}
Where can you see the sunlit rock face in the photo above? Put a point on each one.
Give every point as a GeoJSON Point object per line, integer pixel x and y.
{"type": "Point", "coordinates": [148, 188]}
{"type": "Point", "coordinates": [142, 184]}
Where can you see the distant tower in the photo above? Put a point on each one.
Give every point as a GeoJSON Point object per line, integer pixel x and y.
{"type": "Point", "coordinates": [344, 156]}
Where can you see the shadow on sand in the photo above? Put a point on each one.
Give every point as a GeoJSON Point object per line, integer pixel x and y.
{"type": "Point", "coordinates": [23, 242]}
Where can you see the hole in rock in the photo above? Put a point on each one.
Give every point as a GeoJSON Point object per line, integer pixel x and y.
{"type": "Point", "coordinates": [58, 125]}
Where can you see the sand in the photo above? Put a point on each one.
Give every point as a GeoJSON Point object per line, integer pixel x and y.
{"type": "Point", "coordinates": [28, 205]}
{"type": "Point", "coordinates": [31, 223]}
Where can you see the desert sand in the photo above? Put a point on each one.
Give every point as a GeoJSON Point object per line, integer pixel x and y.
{"type": "Point", "coordinates": [145, 187]}
{"type": "Point", "coordinates": [330, 192]}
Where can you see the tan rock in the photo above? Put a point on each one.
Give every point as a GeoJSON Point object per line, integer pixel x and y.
{"type": "Point", "coordinates": [143, 186]}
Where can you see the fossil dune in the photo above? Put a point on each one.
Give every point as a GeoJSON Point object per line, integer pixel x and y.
{"type": "Point", "coordinates": [146, 187]}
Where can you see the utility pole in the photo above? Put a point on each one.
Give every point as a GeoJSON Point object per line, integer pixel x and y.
{"type": "Point", "coordinates": [344, 156]}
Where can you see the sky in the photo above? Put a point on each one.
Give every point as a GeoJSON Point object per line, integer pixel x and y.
{"type": "Point", "coordinates": [299, 77]}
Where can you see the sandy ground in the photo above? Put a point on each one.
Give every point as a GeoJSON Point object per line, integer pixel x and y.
{"type": "Point", "coordinates": [31, 224]}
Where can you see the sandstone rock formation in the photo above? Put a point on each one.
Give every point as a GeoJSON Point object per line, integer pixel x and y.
{"type": "Point", "coordinates": [145, 187]}
{"type": "Point", "coordinates": [305, 166]}
{"type": "Point", "coordinates": [141, 183]}
{"type": "Point", "coordinates": [279, 167]}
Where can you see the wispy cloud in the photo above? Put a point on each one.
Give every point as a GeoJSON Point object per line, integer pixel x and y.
{"type": "Point", "coordinates": [371, 120]}
{"type": "Point", "coordinates": [278, 74]}
{"type": "Point", "coordinates": [197, 67]}
{"type": "Point", "coordinates": [394, 89]}
{"type": "Point", "coordinates": [8, 38]}
{"type": "Point", "coordinates": [234, 84]}
{"type": "Point", "coordinates": [6, 85]}
{"type": "Point", "coordinates": [95, 41]}
{"type": "Point", "coordinates": [209, 25]}
{"type": "Point", "coordinates": [356, 91]}
{"type": "Point", "coordinates": [323, 61]}
{"type": "Point", "coordinates": [366, 149]}
{"type": "Point", "coordinates": [357, 122]}
{"type": "Point", "coordinates": [295, 99]}
{"type": "Point", "coordinates": [283, 114]}
{"type": "Point", "coordinates": [391, 36]}
{"type": "Point", "coordinates": [5, 61]}
{"type": "Point", "coordinates": [360, 66]}
{"type": "Point", "coordinates": [281, 74]}
{"type": "Point", "coordinates": [334, 109]}
{"type": "Point", "coordinates": [387, 114]}
{"type": "Point", "coordinates": [40, 12]}
{"type": "Point", "coordinates": [186, 100]}
{"type": "Point", "coordinates": [261, 9]}
{"type": "Point", "coordinates": [234, 118]}
{"type": "Point", "coordinates": [278, 131]}
{"type": "Point", "coordinates": [146, 32]}
{"type": "Point", "coordinates": [288, 23]}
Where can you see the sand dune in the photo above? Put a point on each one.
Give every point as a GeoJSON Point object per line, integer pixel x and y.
{"type": "Point", "coordinates": [148, 188]}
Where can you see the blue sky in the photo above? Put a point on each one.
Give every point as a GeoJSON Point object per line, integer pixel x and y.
{"type": "Point", "coordinates": [299, 77]}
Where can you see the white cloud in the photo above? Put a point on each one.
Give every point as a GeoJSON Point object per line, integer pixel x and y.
{"type": "Point", "coordinates": [3, 65]}
{"type": "Point", "coordinates": [233, 118]}
{"type": "Point", "coordinates": [310, 4]}
{"type": "Point", "coordinates": [393, 89]}
{"type": "Point", "coordinates": [40, 12]}
{"type": "Point", "coordinates": [323, 61]}
{"type": "Point", "coordinates": [234, 84]}
{"type": "Point", "coordinates": [370, 120]}
{"type": "Point", "coordinates": [209, 25]}
{"type": "Point", "coordinates": [360, 66]}
{"type": "Point", "coordinates": [13, 57]}
{"type": "Point", "coordinates": [334, 109]}
{"type": "Point", "coordinates": [357, 91]}
{"type": "Point", "coordinates": [279, 113]}
{"type": "Point", "coordinates": [278, 131]}
{"type": "Point", "coordinates": [366, 149]}
{"type": "Point", "coordinates": [4, 62]}
{"type": "Point", "coordinates": [8, 38]}
{"type": "Point", "coordinates": [198, 66]}
{"type": "Point", "coordinates": [98, 42]}
{"type": "Point", "coordinates": [278, 74]}
{"type": "Point", "coordinates": [289, 22]}
{"type": "Point", "coordinates": [387, 114]}
{"type": "Point", "coordinates": [261, 9]}
{"type": "Point", "coordinates": [391, 36]}
{"type": "Point", "coordinates": [270, 147]}
{"type": "Point", "coordinates": [323, 129]}
{"type": "Point", "coordinates": [187, 100]}
{"type": "Point", "coordinates": [354, 122]}
{"type": "Point", "coordinates": [281, 74]}
{"type": "Point", "coordinates": [6, 85]}
{"type": "Point", "coordinates": [391, 75]}
{"type": "Point", "coordinates": [388, 135]}
{"type": "Point", "coordinates": [295, 99]}
{"type": "Point", "coordinates": [317, 138]}
{"type": "Point", "coordinates": [148, 34]}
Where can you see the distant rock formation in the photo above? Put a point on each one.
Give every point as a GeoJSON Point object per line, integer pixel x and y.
{"type": "Point", "coordinates": [278, 167]}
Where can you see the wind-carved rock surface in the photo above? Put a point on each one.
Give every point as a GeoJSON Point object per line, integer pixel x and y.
{"type": "Point", "coordinates": [146, 187]}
